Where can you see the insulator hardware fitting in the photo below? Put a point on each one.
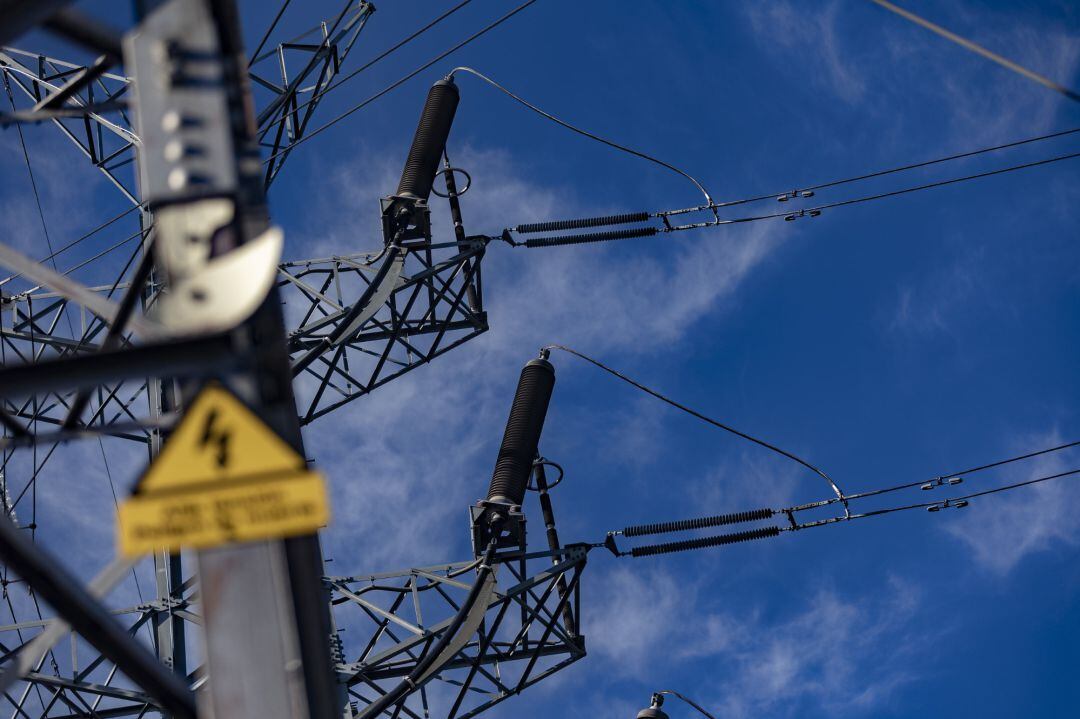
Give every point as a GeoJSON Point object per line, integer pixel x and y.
{"type": "Point", "coordinates": [801, 213]}
{"type": "Point", "coordinates": [794, 194]}
{"type": "Point", "coordinates": [959, 504]}
{"type": "Point", "coordinates": [941, 481]}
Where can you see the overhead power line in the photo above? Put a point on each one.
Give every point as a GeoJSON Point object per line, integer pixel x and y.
{"type": "Point", "coordinates": [939, 183]}
{"type": "Point", "coordinates": [840, 497]}
{"type": "Point", "coordinates": [979, 49]}
{"type": "Point", "coordinates": [385, 53]}
{"type": "Point", "coordinates": [801, 189]}
{"type": "Point", "coordinates": [77, 241]}
{"type": "Point", "coordinates": [814, 211]}
{"type": "Point", "coordinates": [942, 479]}
{"type": "Point", "coordinates": [269, 30]}
{"type": "Point", "coordinates": [794, 524]}
{"type": "Point", "coordinates": [397, 83]}
{"type": "Point", "coordinates": [960, 501]}
{"type": "Point", "coordinates": [585, 133]}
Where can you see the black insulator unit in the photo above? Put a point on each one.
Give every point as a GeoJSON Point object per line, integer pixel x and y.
{"type": "Point", "coordinates": [682, 525]}
{"type": "Point", "coordinates": [719, 540]}
{"type": "Point", "coordinates": [430, 140]}
{"type": "Point", "coordinates": [522, 435]}
{"type": "Point", "coordinates": [591, 237]}
{"type": "Point", "coordinates": [559, 225]}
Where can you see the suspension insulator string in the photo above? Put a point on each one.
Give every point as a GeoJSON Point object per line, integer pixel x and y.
{"type": "Point", "coordinates": [683, 525]}
{"type": "Point", "coordinates": [666, 217]}
{"type": "Point", "coordinates": [628, 218]}
{"type": "Point", "coordinates": [590, 237]}
{"type": "Point", "coordinates": [703, 542]}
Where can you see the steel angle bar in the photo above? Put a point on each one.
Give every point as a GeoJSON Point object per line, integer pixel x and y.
{"type": "Point", "coordinates": [412, 628]}
{"type": "Point", "coordinates": [62, 344]}
{"type": "Point", "coordinates": [103, 690]}
{"type": "Point", "coordinates": [502, 697]}
{"type": "Point", "coordinates": [92, 621]}
{"type": "Point", "coordinates": [454, 567]}
{"type": "Point", "coordinates": [212, 354]}
{"type": "Point", "coordinates": [376, 667]}
{"type": "Point", "coordinates": [72, 290]}
{"type": "Point", "coordinates": [20, 72]}
{"type": "Point", "coordinates": [32, 652]}
{"type": "Point", "coordinates": [81, 79]}
{"type": "Point", "coordinates": [310, 292]}
{"type": "Point", "coordinates": [111, 713]}
{"type": "Point", "coordinates": [387, 378]}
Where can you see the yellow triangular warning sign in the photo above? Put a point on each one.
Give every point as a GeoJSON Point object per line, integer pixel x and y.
{"type": "Point", "coordinates": [218, 440]}
{"type": "Point", "coordinates": [223, 477]}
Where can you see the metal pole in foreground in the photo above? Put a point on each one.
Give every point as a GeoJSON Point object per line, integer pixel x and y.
{"type": "Point", "coordinates": [266, 624]}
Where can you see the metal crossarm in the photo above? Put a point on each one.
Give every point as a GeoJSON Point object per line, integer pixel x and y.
{"type": "Point", "coordinates": [398, 616]}
{"type": "Point", "coordinates": [431, 305]}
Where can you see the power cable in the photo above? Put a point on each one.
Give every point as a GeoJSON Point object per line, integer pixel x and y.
{"type": "Point", "coordinates": [76, 241]}
{"type": "Point", "coordinates": [691, 702]}
{"type": "Point", "coordinates": [788, 215]}
{"type": "Point", "coordinates": [775, 531]}
{"type": "Point", "coordinates": [585, 133]}
{"type": "Point", "coordinates": [116, 505]}
{"type": "Point", "coordinates": [795, 525]}
{"type": "Point", "coordinates": [951, 478]}
{"type": "Point", "coordinates": [401, 81]}
{"type": "Point", "coordinates": [709, 420]}
{"type": "Point", "coordinates": [960, 501]}
{"type": "Point", "coordinates": [30, 172]}
{"type": "Point", "coordinates": [800, 190]}
{"type": "Point", "coordinates": [979, 49]}
{"type": "Point", "coordinates": [943, 183]}
{"type": "Point", "coordinates": [266, 35]}
{"type": "Point", "coordinates": [394, 48]}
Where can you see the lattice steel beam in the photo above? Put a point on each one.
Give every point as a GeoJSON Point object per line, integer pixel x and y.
{"type": "Point", "coordinates": [530, 632]}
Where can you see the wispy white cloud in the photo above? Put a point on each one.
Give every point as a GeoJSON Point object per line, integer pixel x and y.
{"type": "Point", "coordinates": [430, 436]}
{"type": "Point", "coordinates": [934, 304]}
{"type": "Point", "coordinates": [838, 653]}
{"type": "Point", "coordinates": [1001, 531]}
{"type": "Point", "coordinates": [863, 54]}
{"type": "Point", "coordinates": [812, 34]}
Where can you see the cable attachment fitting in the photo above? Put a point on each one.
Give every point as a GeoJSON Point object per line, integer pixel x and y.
{"type": "Point", "coordinates": [545, 462]}
{"type": "Point", "coordinates": [801, 213]}
{"type": "Point", "coordinates": [959, 504]}
{"type": "Point", "coordinates": [654, 711]}
{"type": "Point", "coordinates": [455, 192]}
{"type": "Point", "coordinates": [499, 520]}
{"type": "Point", "coordinates": [794, 194]}
{"type": "Point", "coordinates": [941, 481]}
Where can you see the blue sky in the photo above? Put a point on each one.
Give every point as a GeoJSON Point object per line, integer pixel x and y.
{"type": "Point", "coordinates": [886, 342]}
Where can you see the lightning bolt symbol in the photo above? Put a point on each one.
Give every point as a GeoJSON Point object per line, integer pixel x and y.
{"type": "Point", "coordinates": [213, 436]}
